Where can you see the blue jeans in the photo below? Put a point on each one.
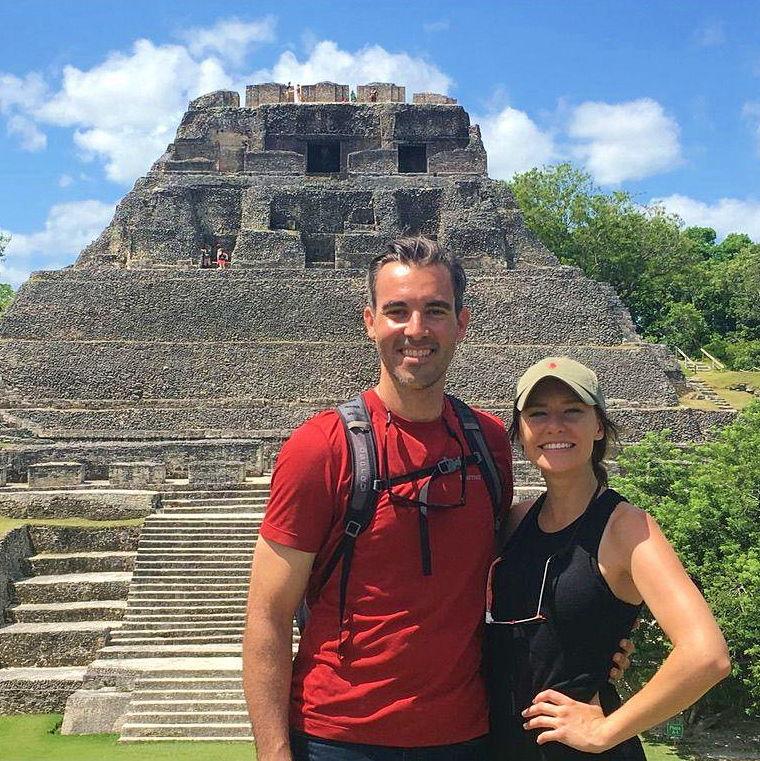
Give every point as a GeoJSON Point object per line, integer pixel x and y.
{"type": "Point", "coordinates": [308, 748]}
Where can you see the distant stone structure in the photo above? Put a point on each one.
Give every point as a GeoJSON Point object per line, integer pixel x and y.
{"type": "Point", "coordinates": [136, 364]}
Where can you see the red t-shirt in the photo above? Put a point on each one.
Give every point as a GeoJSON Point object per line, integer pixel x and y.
{"type": "Point", "coordinates": [410, 672]}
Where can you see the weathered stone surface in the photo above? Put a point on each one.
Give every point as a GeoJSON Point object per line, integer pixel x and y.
{"type": "Point", "coordinates": [433, 97]}
{"type": "Point", "coordinates": [218, 99]}
{"type": "Point", "coordinates": [95, 711]}
{"type": "Point", "coordinates": [36, 690]}
{"type": "Point", "coordinates": [80, 539]}
{"type": "Point", "coordinates": [136, 475]}
{"type": "Point", "coordinates": [15, 550]}
{"type": "Point", "coordinates": [53, 474]}
{"type": "Point", "coordinates": [93, 504]}
{"type": "Point", "coordinates": [52, 644]}
{"type": "Point", "coordinates": [72, 587]}
{"type": "Point", "coordinates": [216, 472]}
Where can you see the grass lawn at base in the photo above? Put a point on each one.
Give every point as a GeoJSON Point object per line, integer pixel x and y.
{"type": "Point", "coordinates": [6, 524]}
{"type": "Point", "coordinates": [33, 738]}
{"type": "Point", "coordinates": [721, 380]}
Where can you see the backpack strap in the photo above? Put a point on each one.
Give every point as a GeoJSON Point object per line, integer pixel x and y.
{"type": "Point", "coordinates": [478, 446]}
{"type": "Point", "coordinates": [363, 500]}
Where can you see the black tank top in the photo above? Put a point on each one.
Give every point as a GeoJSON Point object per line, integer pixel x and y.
{"type": "Point", "coordinates": [571, 650]}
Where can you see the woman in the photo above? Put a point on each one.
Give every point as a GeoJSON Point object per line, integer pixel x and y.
{"type": "Point", "coordinates": [576, 566]}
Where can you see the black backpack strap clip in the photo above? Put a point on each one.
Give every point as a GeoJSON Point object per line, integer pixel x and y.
{"type": "Point", "coordinates": [478, 446]}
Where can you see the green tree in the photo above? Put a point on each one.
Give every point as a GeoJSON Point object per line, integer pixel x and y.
{"type": "Point", "coordinates": [639, 250]}
{"type": "Point", "coordinates": [706, 498]}
{"type": "Point", "coordinates": [6, 292]}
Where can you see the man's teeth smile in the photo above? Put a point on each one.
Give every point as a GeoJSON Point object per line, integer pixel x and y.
{"type": "Point", "coordinates": [558, 445]}
{"type": "Point", "coordinates": [416, 353]}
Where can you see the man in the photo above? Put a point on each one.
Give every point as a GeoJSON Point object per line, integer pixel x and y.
{"type": "Point", "coordinates": [401, 670]}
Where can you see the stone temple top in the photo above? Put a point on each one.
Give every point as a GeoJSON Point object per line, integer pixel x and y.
{"type": "Point", "coordinates": [323, 133]}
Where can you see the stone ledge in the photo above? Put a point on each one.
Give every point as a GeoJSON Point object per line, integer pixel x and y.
{"type": "Point", "coordinates": [96, 505]}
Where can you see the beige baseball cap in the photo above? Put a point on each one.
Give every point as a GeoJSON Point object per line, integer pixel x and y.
{"type": "Point", "coordinates": [580, 378]}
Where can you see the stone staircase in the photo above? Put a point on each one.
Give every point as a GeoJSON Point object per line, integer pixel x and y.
{"type": "Point", "coordinates": [705, 391]}
{"type": "Point", "coordinates": [63, 614]}
{"type": "Point", "coordinates": [185, 615]}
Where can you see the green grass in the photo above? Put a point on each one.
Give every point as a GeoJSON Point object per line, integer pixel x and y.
{"type": "Point", "coordinates": [6, 524]}
{"type": "Point", "coordinates": [721, 380]}
{"type": "Point", "coordinates": [33, 738]}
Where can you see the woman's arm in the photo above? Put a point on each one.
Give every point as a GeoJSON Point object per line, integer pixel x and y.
{"type": "Point", "coordinates": [699, 658]}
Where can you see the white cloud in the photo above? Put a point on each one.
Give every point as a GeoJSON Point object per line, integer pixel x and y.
{"type": "Point", "coordinates": [125, 109]}
{"type": "Point", "coordinates": [231, 39]}
{"type": "Point", "coordinates": [65, 180]}
{"type": "Point", "coordinates": [514, 143]}
{"type": "Point", "coordinates": [727, 215]}
{"type": "Point", "coordinates": [69, 227]}
{"type": "Point", "coordinates": [710, 35]}
{"type": "Point", "coordinates": [327, 62]}
{"type": "Point", "coordinates": [624, 141]}
{"type": "Point", "coordinates": [30, 137]}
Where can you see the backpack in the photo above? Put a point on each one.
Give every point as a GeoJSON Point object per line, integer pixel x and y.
{"type": "Point", "coordinates": [366, 488]}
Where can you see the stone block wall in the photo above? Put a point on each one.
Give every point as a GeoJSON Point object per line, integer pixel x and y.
{"type": "Point", "coordinates": [55, 474]}
{"type": "Point", "coordinates": [428, 98]}
{"type": "Point", "coordinates": [269, 92]}
{"type": "Point", "coordinates": [15, 551]}
{"type": "Point", "coordinates": [541, 307]}
{"type": "Point", "coordinates": [379, 92]}
{"type": "Point", "coordinates": [325, 92]}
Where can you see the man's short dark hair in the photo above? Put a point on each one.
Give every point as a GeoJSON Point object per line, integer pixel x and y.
{"type": "Point", "coordinates": [419, 252]}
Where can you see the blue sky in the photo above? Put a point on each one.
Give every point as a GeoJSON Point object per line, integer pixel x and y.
{"type": "Point", "coordinates": [658, 98]}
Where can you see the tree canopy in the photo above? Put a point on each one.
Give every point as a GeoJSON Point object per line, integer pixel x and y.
{"type": "Point", "coordinates": [706, 498]}
{"type": "Point", "coordinates": [681, 286]}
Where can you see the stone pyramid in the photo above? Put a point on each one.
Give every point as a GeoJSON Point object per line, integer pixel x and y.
{"type": "Point", "coordinates": [137, 352]}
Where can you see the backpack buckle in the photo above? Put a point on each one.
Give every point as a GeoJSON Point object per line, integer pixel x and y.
{"type": "Point", "coordinates": [448, 465]}
{"type": "Point", "coordinates": [353, 529]}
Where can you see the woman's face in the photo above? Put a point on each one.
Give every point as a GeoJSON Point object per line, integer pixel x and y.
{"type": "Point", "coordinates": [557, 429]}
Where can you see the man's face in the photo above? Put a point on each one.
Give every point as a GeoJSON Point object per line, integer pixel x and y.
{"type": "Point", "coordinates": [414, 325]}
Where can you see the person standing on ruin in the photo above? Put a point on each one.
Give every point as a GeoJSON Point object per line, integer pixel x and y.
{"type": "Point", "coordinates": [222, 259]}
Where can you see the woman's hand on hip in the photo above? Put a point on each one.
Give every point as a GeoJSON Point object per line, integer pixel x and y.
{"type": "Point", "coordinates": [580, 725]}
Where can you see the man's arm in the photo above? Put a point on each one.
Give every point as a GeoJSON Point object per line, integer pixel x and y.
{"type": "Point", "coordinates": [279, 576]}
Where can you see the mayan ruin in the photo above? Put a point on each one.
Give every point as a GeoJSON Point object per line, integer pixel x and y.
{"type": "Point", "coordinates": [145, 384]}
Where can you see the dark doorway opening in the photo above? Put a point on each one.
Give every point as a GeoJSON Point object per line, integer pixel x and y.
{"type": "Point", "coordinates": [323, 158]}
{"type": "Point", "coordinates": [412, 158]}
{"type": "Point", "coordinates": [320, 249]}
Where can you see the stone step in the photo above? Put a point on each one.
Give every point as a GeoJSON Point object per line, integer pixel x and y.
{"type": "Point", "coordinates": [38, 690]}
{"type": "Point", "coordinates": [62, 643]}
{"type": "Point", "coordinates": [145, 701]}
{"type": "Point", "coordinates": [187, 596]}
{"type": "Point", "coordinates": [176, 651]}
{"type": "Point", "coordinates": [191, 682]}
{"type": "Point", "coordinates": [192, 617]}
{"type": "Point", "coordinates": [171, 580]}
{"type": "Point", "coordinates": [199, 502]}
{"type": "Point", "coordinates": [186, 717]}
{"type": "Point", "coordinates": [90, 610]}
{"type": "Point", "coordinates": [219, 518]}
{"type": "Point", "coordinates": [127, 640]}
{"type": "Point", "coordinates": [196, 565]}
{"type": "Point", "coordinates": [177, 553]}
{"type": "Point", "coordinates": [191, 533]}
{"type": "Point", "coordinates": [208, 732]}
{"type": "Point", "coordinates": [73, 587]}
{"type": "Point", "coordinates": [185, 605]}
{"type": "Point", "coordinates": [81, 562]}
{"type": "Point", "coordinates": [200, 541]}
{"type": "Point", "coordinates": [139, 628]}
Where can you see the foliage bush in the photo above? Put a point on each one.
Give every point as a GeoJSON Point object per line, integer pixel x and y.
{"type": "Point", "coordinates": [706, 498]}
{"type": "Point", "coordinates": [682, 287]}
